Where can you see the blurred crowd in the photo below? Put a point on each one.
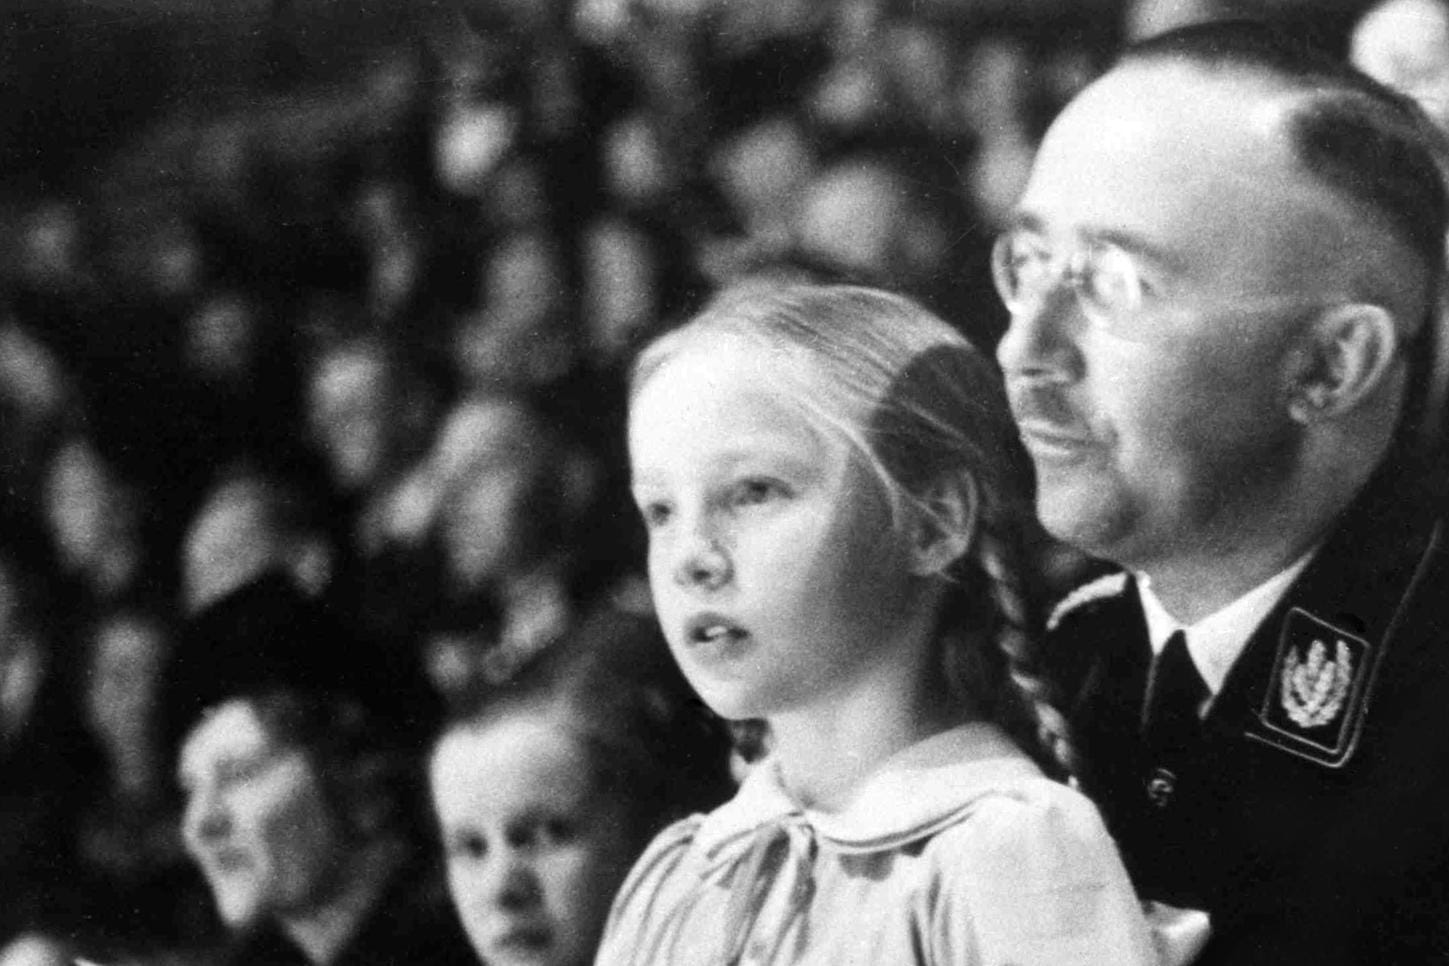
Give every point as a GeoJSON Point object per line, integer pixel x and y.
{"type": "Point", "coordinates": [375, 335]}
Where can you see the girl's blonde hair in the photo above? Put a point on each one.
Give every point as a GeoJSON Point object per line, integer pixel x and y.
{"type": "Point", "coordinates": [927, 413]}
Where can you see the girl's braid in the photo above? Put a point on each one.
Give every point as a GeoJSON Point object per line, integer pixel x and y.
{"type": "Point", "coordinates": [1017, 631]}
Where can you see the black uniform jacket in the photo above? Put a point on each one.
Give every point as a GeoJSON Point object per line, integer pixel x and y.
{"type": "Point", "coordinates": [1310, 816]}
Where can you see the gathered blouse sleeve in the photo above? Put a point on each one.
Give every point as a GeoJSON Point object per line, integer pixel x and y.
{"type": "Point", "coordinates": [1033, 879]}
{"type": "Point", "coordinates": [652, 891]}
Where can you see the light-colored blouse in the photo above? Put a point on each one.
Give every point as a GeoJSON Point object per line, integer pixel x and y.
{"type": "Point", "coordinates": [956, 850]}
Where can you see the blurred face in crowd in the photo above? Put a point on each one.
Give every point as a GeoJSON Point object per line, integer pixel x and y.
{"type": "Point", "coordinates": [619, 287]}
{"type": "Point", "coordinates": [348, 410]}
{"type": "Point", "coordinates": [471, 139]}
{"type": "Point", "coordinates": [232, 539]}
{"type": "Point", "coordinates": [126, 659]}
{"type": "Point", "coordinates": [32, 378]}
{"type": "Point", "coordinates": [51, 243]}
{"type": "Point", "coordinates": [636, 168]}
{"type": "Point", "coordinates": [1405, 45]}
{"type": "Point", "coordinates": [221, 339]}
{"type": "Point", "coordinates": [517, 338]}
{"type": "Point", "coordinates": [763, 169]}
{"type": "Point", "coordinates": [88, 513]}
{"type": "Point", "coordinates": [534, 852]}
{"type": "Point", "coordinates": [851, 216]}
{"type": "Point", "coordinates": [22, 662]}
{"type": "Point", "coordinates": [171, 259]}
{"type": "Point", "coordinates": [493, 487]}
{"type": "Point", "coordinates": [920, 61]}
{"type": "Point", "coordinates": [1166, 426]}
{"type": "Point", "coordinates": [256, 820]}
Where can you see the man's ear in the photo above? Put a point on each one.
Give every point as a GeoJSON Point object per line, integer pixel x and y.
{"type": "Point", "coordinates": [1345, 357]}
{"type": "Point", "coordinates": [944, 525]}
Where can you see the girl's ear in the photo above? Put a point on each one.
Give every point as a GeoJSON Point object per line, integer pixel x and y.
{"type": "Point", "coordinates": [944, 525]}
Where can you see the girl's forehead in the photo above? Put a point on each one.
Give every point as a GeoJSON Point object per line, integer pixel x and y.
{"type": "Point", "coordinates": [725, 392]}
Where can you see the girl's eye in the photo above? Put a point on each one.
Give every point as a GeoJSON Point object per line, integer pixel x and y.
{"type": "Point", "coordinates": [755, 491]}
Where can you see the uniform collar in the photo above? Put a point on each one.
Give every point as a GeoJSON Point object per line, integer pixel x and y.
{"type": "Point", "coordinates": [1348, 606]}
{"type": "Point", "coordinates": [1216, 641]}
{"type": "Point", "coordinates": [914, 793]}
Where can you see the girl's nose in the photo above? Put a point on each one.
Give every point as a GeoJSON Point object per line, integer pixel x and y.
{"type": "Point", "coordinates": [703, 563]}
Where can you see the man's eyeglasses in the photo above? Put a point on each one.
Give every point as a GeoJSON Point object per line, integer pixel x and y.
{"type": "Point", "coordinates": [1107, 283]}
{"type": "Point", "coordinates": [1104, 278]}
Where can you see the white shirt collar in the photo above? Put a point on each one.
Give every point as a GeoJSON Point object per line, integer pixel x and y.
{"type": "Point", "coordinates": [1216, 641]}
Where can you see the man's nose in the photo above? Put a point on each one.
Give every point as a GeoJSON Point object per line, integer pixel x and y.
{"type": "Point", "coordinates": [1041, 338]}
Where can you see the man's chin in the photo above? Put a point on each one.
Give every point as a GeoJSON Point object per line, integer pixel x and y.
{"type": "Point", "coordinates": [1083, 517]}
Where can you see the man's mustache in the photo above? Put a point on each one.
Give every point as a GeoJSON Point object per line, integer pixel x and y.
{"type": "Point", "coordinates": [1046, 405]}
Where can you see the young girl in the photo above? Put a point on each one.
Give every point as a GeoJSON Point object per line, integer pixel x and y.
{"type": "Point", "coordinates": [549, 792]}
{"type": "Point", "coordinates": [837, 509]}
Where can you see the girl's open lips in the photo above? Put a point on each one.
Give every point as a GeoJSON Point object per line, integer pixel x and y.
{"type": "Point", "coordinates": [711, 628]}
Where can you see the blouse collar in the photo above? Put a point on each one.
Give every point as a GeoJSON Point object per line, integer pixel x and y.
{"type": "Point", "coordinates": [913, 794]}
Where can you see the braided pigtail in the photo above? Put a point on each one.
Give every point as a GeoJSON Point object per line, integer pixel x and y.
{"type": "Point", "coordinates": [1028, 695]}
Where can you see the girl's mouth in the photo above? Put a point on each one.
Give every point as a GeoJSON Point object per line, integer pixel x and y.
{"type": "Point", "coordinates": [713, 629]}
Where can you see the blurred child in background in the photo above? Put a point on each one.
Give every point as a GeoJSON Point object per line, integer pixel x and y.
{"type": "Point", "coordinates": [548, 791]}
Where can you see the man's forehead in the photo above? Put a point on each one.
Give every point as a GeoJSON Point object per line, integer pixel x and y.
{"type": "Point", "coordinates": [1171, 151]}
{"type": "Point", "coordinates": [1176, 116]}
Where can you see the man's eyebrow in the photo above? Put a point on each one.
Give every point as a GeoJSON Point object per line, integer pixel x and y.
{"type": "Point", "coordinates": [1132, 242]}
{"type": "Point", "coordinates": [1136, 244]}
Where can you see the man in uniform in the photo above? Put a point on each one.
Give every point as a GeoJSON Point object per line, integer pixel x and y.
{"type": "Point", "coordinates": [1221, 277]}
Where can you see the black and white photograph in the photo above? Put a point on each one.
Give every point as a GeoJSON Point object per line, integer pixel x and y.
{"type": "Point", "coordinates": [724, 482]}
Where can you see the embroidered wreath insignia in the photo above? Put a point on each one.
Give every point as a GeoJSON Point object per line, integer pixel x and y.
{"type": "Point", "coordinates": [1314, 688]}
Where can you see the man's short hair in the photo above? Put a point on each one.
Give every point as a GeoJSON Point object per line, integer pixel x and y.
{"type": "Point", "coordinates": [1360, 139]}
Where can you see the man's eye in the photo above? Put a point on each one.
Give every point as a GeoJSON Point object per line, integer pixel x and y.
{"type": "Point", "coordinates": [1113, 280]}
